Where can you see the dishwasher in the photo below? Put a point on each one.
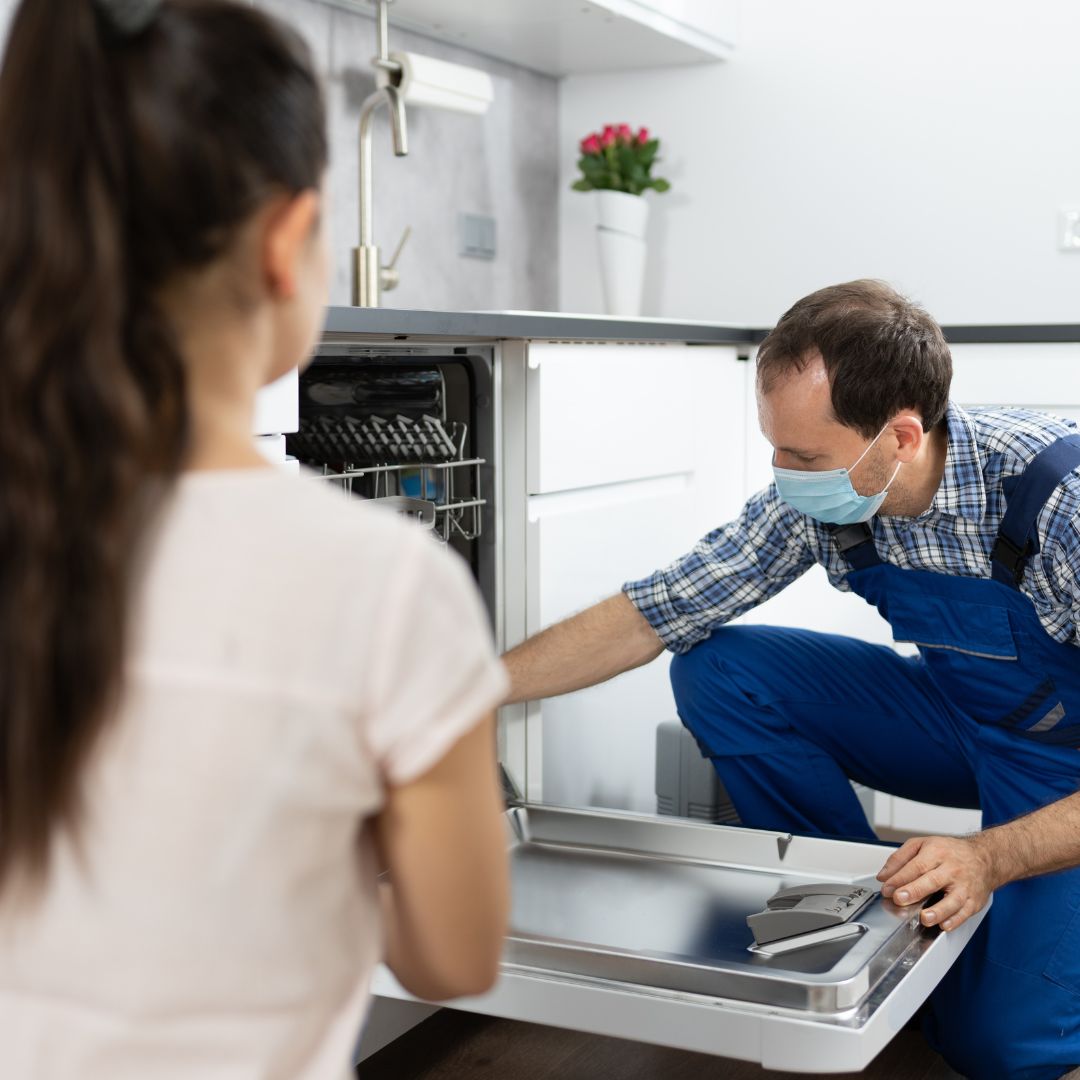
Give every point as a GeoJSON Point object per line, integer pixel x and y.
{"type": "Point", "coordinates": [646, 927]}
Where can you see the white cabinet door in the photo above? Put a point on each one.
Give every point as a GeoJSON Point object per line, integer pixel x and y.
{"type": "Point", "coordinates": [1045, 377]}
{"type": "Point", "coordinates": [603, 414]}
{"type": "Point", "coordinates": [604, 421]}
{"type": "Point", "coordinates": [599, 744]}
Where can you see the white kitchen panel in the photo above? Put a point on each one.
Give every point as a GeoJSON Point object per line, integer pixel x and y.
{"type": "Point", "coordinates": [582, 545]}
{"type": "Point", "coordinates": [602, 414]}
{"type": "Point", "coordinates": [599, 743]}
{"type": "Point", "coordinates": [277, 406]}
{"type": "Point", "coordinates": [565, 37]}
{"type": "Point", "coordinates": [1033, 376]}
{"type": "Point", "coordinates": [916, 817]}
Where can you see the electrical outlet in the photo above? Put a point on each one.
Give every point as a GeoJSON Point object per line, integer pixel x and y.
{"type": "Point", "coordinates": [476, 236]}
{"type": "Point", "coordinates": [1069, 228]}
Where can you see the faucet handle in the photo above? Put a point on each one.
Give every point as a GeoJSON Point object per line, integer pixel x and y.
{"type": "Point", "coordinates": [388, 274]}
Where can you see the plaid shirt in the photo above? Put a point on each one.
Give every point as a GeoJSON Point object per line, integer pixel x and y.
{"type": "Point", "coordinates": [743, 563]}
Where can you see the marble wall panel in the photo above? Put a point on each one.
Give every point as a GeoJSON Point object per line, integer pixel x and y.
{"type": "Point", "coordinates": [504, 164]}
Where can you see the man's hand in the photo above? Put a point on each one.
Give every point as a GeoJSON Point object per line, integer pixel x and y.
{"type": "Point", "coordinates": [964, 868]}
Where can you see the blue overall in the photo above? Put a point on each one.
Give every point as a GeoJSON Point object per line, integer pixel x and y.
{"type": "Point", "coordinates": [987, 716]}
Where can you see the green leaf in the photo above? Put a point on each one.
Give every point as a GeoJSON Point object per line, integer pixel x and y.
{"type": "Point", "coordinates": [582, 185]}
{"type": "Point", "coordinates": [657, 184]}
{"type": "Point", "coordinates": [648, 151]}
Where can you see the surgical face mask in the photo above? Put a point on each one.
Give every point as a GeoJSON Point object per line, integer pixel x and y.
{"type": "Point", "coordinates": [829, 496]}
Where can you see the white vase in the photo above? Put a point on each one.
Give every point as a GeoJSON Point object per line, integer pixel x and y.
{"type": "Point", "coordinates": [620, 231]}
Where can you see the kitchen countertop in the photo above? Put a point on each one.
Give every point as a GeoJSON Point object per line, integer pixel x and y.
{"type": "Point", "coordinates": [530, 325]}
{"type": "Point", "coordinates": [405, 324]}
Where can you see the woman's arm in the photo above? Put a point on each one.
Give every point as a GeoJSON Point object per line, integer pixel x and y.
{"type": "Point", "coordinates": [443, 840]}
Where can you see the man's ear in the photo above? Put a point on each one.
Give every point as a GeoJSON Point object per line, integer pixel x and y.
{"type": "Point", "coordinates": [908, 431]}
{"type": "Point", "coordinates": [288, 228]}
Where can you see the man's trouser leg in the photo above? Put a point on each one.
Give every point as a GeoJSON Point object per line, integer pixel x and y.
{"type": "Point", "coordinates": [789, 716]}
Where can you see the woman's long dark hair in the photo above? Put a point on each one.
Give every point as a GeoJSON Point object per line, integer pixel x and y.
{"type": "Point", "coordinates": [125, 159]}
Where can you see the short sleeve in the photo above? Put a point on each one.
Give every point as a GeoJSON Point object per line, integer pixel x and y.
{"type": "Point", "coordinates": [434, 673]}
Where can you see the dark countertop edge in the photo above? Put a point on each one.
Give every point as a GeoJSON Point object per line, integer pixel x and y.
{"type": "Point", "coordinates": [493, 326]}
{"type": "Point", "coordinates": [1020, 334]}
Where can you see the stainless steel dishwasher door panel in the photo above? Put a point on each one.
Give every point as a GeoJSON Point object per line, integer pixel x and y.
{"type": "Point", "coordinates": [635, 927]}
{"type": "Point", "coordinates": [612, 898]}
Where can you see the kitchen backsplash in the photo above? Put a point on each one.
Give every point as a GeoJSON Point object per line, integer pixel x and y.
{"type": "Point", "coordinates": [503, 164]}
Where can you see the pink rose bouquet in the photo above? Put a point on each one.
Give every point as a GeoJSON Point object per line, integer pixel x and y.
{"type": "Point", "coordinates": [618, 159]}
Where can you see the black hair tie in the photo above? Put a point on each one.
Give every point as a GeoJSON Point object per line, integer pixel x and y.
{"type": "Point", "coordinates": [129, 17]}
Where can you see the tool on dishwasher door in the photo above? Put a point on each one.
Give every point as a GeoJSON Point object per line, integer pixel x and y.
{"type": "Point", "coordinates": [803, 909]}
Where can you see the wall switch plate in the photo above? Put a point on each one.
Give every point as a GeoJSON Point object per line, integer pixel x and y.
{"type": "Point", "coordinates": [476, 236]}
{"type": "Point", "coordinates": [1069, 228]}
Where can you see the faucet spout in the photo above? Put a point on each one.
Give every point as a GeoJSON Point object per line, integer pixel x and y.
{"type": "Point", "coordinates": [366, 287]}
{"type": "Point", "coordinates": [400, 135]}
{"type": "Point", "coordinates": [399, 128]}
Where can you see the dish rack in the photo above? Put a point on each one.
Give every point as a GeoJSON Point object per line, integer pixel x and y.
{"type": "Point", "coordinates": [415, 462]}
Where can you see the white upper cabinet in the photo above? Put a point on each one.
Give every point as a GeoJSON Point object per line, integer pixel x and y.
{"type": "Point", "coordinates": [573, 37]}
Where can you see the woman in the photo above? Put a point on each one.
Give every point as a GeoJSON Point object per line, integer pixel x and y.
{"type": "Point", "coordinates": [226, 696]}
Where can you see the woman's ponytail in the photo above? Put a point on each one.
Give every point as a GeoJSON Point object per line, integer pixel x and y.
{"type": "Point", "coordinates": [126, 156]}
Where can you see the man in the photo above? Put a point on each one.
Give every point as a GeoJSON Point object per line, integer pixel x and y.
{"type": "Point", "coordinates": [963, 528]}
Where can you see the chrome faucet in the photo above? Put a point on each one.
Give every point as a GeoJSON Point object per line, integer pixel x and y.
{"type": "Point", "coordinates": [370, 277]}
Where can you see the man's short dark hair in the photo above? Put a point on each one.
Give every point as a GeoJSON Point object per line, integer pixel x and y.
{"type": "Point", "coordinates": [882, 354]}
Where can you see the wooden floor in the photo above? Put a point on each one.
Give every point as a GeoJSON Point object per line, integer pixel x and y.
{"type": "Point", "coordinates": [461, 1046]}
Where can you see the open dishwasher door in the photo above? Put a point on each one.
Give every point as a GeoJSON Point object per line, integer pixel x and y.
{"type": "Point", "coordinates": [635, 926]}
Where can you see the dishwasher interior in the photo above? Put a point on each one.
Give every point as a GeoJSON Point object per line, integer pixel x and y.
{"type": "Point", "coordinates": [411, 427]}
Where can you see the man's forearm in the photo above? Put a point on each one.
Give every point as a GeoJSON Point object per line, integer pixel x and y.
{"type": "Point", "coordinates": [609, 638]}
{"type": "Point", "coordinates": [1038, 843]}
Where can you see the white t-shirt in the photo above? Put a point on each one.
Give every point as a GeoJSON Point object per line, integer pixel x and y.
{"type": "Point", "coordinates": [292, 651]}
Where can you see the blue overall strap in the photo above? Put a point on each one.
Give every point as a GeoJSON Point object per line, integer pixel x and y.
{"type": "Point", "coordinates": [1016, 541]}
{"type": "Point", "coordinates": [856, 544]}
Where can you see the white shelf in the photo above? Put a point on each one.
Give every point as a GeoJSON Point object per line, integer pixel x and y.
{"type": "Point", "coordinates": [570, 37]}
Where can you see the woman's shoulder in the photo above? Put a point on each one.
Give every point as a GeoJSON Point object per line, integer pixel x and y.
{"type": "Point", "coordinates": [294, 515]}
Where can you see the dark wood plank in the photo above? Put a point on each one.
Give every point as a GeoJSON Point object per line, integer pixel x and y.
{"type": "Point", "coordinates": [461, 1046]}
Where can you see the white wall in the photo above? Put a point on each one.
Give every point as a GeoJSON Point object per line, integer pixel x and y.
{"type": "Point", "coordinates": [928, 143]}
